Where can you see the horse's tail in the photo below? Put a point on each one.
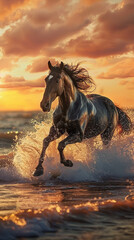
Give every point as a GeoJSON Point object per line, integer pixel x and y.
{"type": "Point", "coordinates": [124, 121]}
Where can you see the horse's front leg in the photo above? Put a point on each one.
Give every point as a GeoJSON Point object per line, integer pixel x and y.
{"type": "Point", "coordinates": [53, 135]}
{"type": "Point", "coordinates": [69, 140]}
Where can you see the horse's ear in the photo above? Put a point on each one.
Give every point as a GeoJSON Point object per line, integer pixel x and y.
{"type": "Point", "coordinates": [61, 66]}
{"type": "Point", "coordinates": [50, 65]}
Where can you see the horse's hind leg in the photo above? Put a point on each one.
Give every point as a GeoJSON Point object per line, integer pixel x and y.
{"type": "Point", "coordinates": [107, 135]}
{"type": "Point", "coordinates": [68, 140]}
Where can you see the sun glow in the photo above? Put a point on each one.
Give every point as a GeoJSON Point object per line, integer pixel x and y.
{"type": "Point", "coordinates": [15, 219]}
{"type": "Point", "coordinates": [26, 46]}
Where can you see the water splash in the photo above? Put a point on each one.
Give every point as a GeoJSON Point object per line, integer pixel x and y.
{"type": "Point", "coordinates": [92, 161]}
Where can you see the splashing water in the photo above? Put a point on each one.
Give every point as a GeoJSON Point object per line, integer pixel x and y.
{"type": "Point", "coordinates": [92, 161]}
{"type": "Point", "coordinates": [65, 209]}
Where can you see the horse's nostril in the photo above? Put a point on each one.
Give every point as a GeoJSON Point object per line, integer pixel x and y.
{"type": "Point", "coordinates": [47, 105]}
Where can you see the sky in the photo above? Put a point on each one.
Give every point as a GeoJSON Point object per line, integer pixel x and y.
{"type": "Point", "coordinates": [97, 33]}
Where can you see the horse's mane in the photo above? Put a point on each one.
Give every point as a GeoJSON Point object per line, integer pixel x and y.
{"type": "Point", "coordinates": [79, 76]}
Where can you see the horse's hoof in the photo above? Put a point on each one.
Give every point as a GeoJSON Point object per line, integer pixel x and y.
{"type": "Point", "coordinates": [38, 171]}
{"type": "Point", "coordinates": [68, 163]}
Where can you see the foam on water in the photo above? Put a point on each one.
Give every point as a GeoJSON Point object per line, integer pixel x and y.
{"type": "Point", "coordinates": [92, 162]}
{"type": "Point", "coordinates": [34, 223]}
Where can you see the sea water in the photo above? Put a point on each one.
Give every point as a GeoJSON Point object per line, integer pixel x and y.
{"type": "Point", "coordinates": [92, 200]}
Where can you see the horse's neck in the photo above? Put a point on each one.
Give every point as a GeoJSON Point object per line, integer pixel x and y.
{"type": "Point", "coordinates": [68, 95]}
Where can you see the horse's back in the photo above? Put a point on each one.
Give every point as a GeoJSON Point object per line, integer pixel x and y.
{"type": "Point", "coordinates": [105, 114]}
{"type": "Point", "coordinates": [102, 102]}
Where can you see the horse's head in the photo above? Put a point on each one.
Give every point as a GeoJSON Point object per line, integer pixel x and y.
{"type": "Point", "coordinates": [54, 86]}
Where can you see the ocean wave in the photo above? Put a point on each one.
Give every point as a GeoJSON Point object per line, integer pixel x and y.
{"type": "Point", "coordinates": [35, 222]}
{"type": "Point", "coordinates": [92, 162]}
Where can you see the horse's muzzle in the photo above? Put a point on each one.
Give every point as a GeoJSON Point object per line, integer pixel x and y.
{"type": "Point", "coordinates": [45, 108]}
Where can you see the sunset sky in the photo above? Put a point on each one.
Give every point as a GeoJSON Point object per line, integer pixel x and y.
{"type": "Point", "coordinates": [97, 33]}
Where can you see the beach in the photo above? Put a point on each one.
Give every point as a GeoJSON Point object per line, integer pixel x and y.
{"type": "Point", "coordinates": [92, 200]}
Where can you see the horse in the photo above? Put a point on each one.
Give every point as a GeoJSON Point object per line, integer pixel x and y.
{"type": "Point", "coordinates": [80, 116]}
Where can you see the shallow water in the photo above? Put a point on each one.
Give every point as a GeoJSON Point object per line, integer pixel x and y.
{"type": "Point", "coordinates": [56, 210]}
{"type": "Point", "coordinates": [92, 200]}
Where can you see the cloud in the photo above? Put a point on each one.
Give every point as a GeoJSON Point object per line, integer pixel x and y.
{"type": "Point", "coordinates": [20, 82]}
{"type": "Point", "coordinates": [115, 30]}
{"type": "Point", "coordinates": [39, 65]}
{"type": "Point", "coordinates": [51, 12]}
{"type": "Point", "coordinates": [122, 69]}
{"type": "Point", "coordinates": [94, 48]}
{"type": "Point", "coordinates": [89, 2]}
{"type": "Point", "coordinates": [13, 10]}
{"type": "Point", "coordinates": [101, 29]}
{"type": "Point", "coordinates": [112, 34]}
{"type": "Point", "coordinates": [7, 63]}
{"type": "Point", "coordinates": [6, 7]}
{"type": "Point", "coordinates": [129, 84]}
{"type": "Point", "coordinates": [37, 32]}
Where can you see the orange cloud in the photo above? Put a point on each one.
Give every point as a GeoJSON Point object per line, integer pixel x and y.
{"type": "Point", "coordinates": [30, 37]}
{"type": "Point", "coordinates": [13, 10]}
{"type": "Point", "coordinates": [19, 82]}
{"type": "Point", "coordinates": [89, 2]}
{"type": "Point", "coordinates": [7, 63]}
{"type": "Point", "coordinates": [122, 69]}
{"type": "Point", "coordinates": [37, 31]}
{"type": "Point", "coordinates": [46, 27]}
{"type": "Point", "coordinates": [39, 65]}
{"type": "Point", "coordinates": [94, 48]}
{"type": "Point", "coordinates": [49, 11]}
{"type": "Point", "coordinates": [113, 35]}
{"type": "Point", "coordinates": [6, 7]}
{"type": "Point", "coordinates": [129, 84]}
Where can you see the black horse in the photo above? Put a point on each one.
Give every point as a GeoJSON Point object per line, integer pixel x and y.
{"type": "Point", "coordinates": [76, 114]}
